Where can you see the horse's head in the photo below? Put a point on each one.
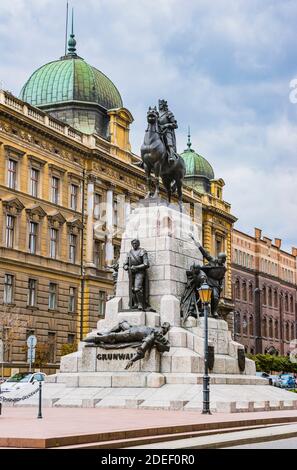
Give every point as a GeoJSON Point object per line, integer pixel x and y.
{"type": "Point", "coordinates": [152, 115]}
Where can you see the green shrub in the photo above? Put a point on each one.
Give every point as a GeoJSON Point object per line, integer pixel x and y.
{"type": "Point", "coordinates": [268, 363]}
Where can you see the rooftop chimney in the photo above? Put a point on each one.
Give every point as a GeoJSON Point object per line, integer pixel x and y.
{"type": "Point", "coordinates": [258, 233]}
{"type": "Point", "coordinates": [278, 242]}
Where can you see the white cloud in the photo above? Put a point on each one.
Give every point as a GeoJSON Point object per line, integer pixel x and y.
{"type": "Point", "coordinates": [224, 67]}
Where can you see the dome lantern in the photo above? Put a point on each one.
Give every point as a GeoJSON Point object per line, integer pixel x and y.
{"type": "Point", "coordinates": [199, 172]}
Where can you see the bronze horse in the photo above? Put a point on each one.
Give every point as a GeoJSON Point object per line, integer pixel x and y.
{"type": "Point", "coordinates": [154, 158]}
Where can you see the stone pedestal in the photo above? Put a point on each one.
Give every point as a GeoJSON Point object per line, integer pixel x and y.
{"type": "Point", "coordinates": [164, 232]}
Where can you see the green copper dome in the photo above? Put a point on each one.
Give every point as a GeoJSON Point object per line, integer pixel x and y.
{"type": "Point", "coordinates": [198, 171]}
{"type": "Point", "coordinates": [73, 91]}
{"type": "Point", "coordinates": [70, 79]}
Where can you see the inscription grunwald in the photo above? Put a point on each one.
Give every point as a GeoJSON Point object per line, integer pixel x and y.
{"type": "Point", "coordinates": [115, 356]}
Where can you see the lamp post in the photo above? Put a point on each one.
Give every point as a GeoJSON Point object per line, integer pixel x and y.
{"type": "Point", "coordinates": [205, 297]}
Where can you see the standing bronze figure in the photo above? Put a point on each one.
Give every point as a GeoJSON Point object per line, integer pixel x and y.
{"type": "Point", "coordinates": [190, 303]}
{"type": "Point", "coordinates": [137, 264]}
{"type": "Point", "coordinates": [158, 153]}
{"type": "Point", "coordinates": [215, 271]}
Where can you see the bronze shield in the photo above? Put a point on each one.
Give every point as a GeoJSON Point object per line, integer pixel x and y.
{"type": "Point", "coordinates": [241, 359]}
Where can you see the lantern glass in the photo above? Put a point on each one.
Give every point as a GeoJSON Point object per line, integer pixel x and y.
{"type": "Point", "coordinates": [205, 293]}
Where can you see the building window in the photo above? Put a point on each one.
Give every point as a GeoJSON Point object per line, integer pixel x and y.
{"type": "Point", "coordinates": [101, 304]}
{"type": "Point", "coordinates": [32, 293]}
{"type": "Point", "coordinates": [53, 243]}
{"type": "Point", "coordinates": [270, 297]}
{"type": "Point", "coordinates": [55, 189]}
{"type": "Point", "coordinates": [270, 328]}
{"type": "Point", "coordinates": [276, 333]}
{"type": "Point", "coordinates": [73, 196]}
{"type": "Point", "coordinates": [264, 296]}
{"type": "Point", "coordinates": [52, 298]}
{"type": "Point", "coordinates": [72, 299]}
{"type": "Point", "coordinates": [291, 304]}
{"type": "Point", "coordinates": [99, 254]}
{"type": "Point", "coordinates": [251, 325]}
{"type": "Point", "coordinates": [244, 291]}
{"type": "Point", "coordinates": [115, 213]}
{"type": "Point", "coordinates": [51, 341]}
{"type": "Point", "coordinates": [219, 244]}
{"type": "Point", "coordinates": [8, 289]}
{"type": "Point", "coordinates": [275, 303]}
{"type": "Point", "coordinates": [9, 235]}
{"type": "Point", "coordinates": [286, 303]}
{"type": "Point", "coordinates": [237, 289]}
{"type": "Point", "coordinates": [71, 338]}
{"type": "Point", "coordinates": [251, 293]}
{"type": "Point", "coordinates": [33, 227]}
{"type": "Point", "coordinates": [244, 325]}
{"type": "Point", "coordinates": [12, 174]}
{"type": "Point", "coordinates": [72, 247]}
{"type": "Point", "coordinates": [292, 331]}
{"type": "Point", "coordinates": [237, 322]}
{"type": "Point", "coordinates": [264, 327]}
{"type": "Point", "coordinates": [287, 330]}
{"type": "Point", "coordinates": [97, 202]}
{"type": "Point", "coordinates": [34, 181]}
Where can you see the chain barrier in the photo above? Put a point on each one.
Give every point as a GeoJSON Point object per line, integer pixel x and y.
{"type": "Point", "coordinates": [15, 400]}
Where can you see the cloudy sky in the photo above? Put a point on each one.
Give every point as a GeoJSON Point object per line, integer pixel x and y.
{"type": "Point", "coordinates": [225, 68]}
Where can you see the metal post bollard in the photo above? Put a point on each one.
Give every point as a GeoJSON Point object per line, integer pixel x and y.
{"type": "Point", "coordinates": [39, 400]}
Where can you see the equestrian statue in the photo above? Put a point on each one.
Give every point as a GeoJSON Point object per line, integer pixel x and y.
{"type": "Point", "coordinates": [159, 155]}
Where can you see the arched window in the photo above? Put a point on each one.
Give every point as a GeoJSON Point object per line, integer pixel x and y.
{"type": "Point", "coordinates": [286, 303]}
{"type": "Point", "coordinates": [293, 331]}
{"type": "Point", "coordinates": [291, 304]}
{"type": "Point", "coordinates": [251, 293]}
{"type": "Point", "coordinates": [264, 327]}
{"type": "Point", "coordinates": [244, 325]}
{"type": "Point", "coordinates": [251, 325]}
{"type": "Point", "coordinates": [244, 291]}
{"type": "Point", "coordinates": [237, 289]}
{"type": "Point", "coordinates": [237, 321]}
{"type": "Point", "coordinates": [264, 296]}
{"type": "Point", "coordinates": [270, 297]}
{"type": "Point", "coordinates": [276, 333]}
{"type": "Point", "coordinates": [270, 328]}
{"type": "Point", "coordinates": [275, 300]}
{"type": "Point", "coordinates": [287, 330]}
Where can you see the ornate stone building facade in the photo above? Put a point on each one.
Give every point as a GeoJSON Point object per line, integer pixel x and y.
{"type": "Point", "coordinates": [66, 187]}
{"type": "Point", "coordinates": [264, 281]}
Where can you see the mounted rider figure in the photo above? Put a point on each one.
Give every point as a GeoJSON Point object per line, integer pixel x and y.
{"type": "Point", "coordinates": [167, 125]}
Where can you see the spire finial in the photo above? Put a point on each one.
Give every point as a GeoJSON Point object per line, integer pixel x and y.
{"type": "Point", "coordinates": [72, 41]}
{"type": "Point", "coordinates": [189, 144]}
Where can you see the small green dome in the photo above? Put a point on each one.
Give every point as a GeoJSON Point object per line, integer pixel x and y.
{"type": "Point", "coordinates": [198, 171]}
{"type": "Point", "coordinates": [70, 79]}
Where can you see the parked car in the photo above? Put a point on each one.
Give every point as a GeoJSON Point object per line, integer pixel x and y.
{"type": "Point", "coordinates": [271, 378]}
{"type": "Point", "coordinates": [21, 380]}
{"type": "Point", "coordinates": [286, 381]}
